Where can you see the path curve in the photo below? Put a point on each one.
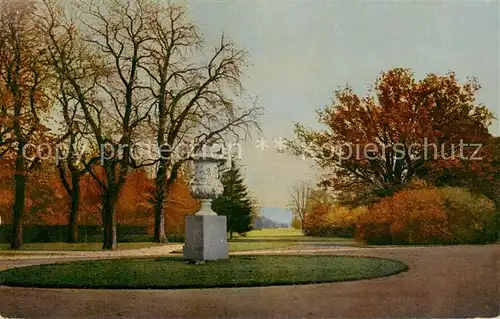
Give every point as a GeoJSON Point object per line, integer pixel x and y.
{"type": "Point", "coordinates": [31, 258]}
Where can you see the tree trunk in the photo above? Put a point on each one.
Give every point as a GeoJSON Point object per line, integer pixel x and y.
{"type": "Point", "coordinates": [19, 201]}
{"type": "Point", "coordinates": [160, 196]}
{"type": "Point", "coordinates": [303, 223]}
{"type": "Point", "coordinates": [75, 203]}
{"type": "Point", "coordinates": [109, 221]}
{"type": "Point", "coordinates": [230, 234]}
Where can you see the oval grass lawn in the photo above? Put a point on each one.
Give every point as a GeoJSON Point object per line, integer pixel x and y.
{"type": "Point", "coordinates": [172, 272]}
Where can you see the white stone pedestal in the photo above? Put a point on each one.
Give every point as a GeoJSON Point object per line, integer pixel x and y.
{"type": "Point", "coordinates": [206, 238]}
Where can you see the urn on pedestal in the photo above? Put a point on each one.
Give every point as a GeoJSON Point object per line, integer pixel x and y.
{"type": "Point", "coordinates": [206, 232]}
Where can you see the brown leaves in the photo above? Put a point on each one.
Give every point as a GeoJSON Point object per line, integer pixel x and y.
{"type": "Point", "coordinates": [381, 140]}
{"type": "Point", "coordinates": [48, 203]}
{"type": "Point", "coordinates": [46, 200]}
{"type": "Point", "coordinates": [428, 215]}
{"type": "Point", "coordinates": [179, 204]}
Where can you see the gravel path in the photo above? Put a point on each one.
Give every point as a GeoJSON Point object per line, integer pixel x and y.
{"type": "Point", "coordinates": [449, 281]}
{"type": "Point", "coordinates": [29, 258]}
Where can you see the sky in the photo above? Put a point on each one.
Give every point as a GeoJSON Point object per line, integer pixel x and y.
{"type": "Point", "coordinates": [300, 52]}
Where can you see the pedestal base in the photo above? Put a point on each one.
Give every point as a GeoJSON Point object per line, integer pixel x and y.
{"type": "Point", "coordinates": [206, 238]}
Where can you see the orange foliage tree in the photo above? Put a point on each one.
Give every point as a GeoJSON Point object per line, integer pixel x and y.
{"type": "Point", "coordinates": [47, 202]}
{"type": "Point", "coordinates": [135, 204]}
{"type": "Point", "coordinates": [179, 204]}
{"type": "Point", "coordinates": [45, 198]}
{"type": "Point", "coordinates": [481, 175]}
{"type": "Point", "coordinates": [375, 144]}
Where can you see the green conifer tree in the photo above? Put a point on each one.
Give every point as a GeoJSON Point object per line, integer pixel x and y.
{"type": "Point", "coordinates": [235, 203]}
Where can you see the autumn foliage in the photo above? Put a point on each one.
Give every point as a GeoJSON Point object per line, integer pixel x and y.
{"type": "Point", "coordinates": [429, 215]}
{"type": "Point", "coordinates": [326, 217]}
{"type": "Point", "coordinates": [374, 144]}
{"type": "Point", "coordinates": [48, 203]}
{"type": "Point", "coordinates": [377, 149]}
{"type": "Point", "coordinates": [45, 200]}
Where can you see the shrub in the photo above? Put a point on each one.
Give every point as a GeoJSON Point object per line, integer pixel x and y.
{"type": "Point", "coordinates": [327, 218]}
{"type": "Point", "coordinates": [418, 183]}
{"type": "Point", "coordinates": [87, 233]}
{"type": "Point", "coordinates": [318, 221]}
{"type": "Point", "coordinates": [471, 217]}
{"type": "Point", "coordinates": [425, 215]}
{"type": "Point", "coordinates": [409, 217]}
{"type": "Point", "coordinates": [175, 238]}
{"type": "Point", "coordinates": [344, 221]}
{"type": "Point", "coordinates": [296, 223]}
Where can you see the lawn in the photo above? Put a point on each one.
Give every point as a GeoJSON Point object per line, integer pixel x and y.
{"type": "Point", "coordinates": [236, 245]}
{"type": "Point", "coordinates": [289, 235]}
{"type": "Point", "coordinates": [281, 239]}
{"type": "Point", "coordinates": [173, 272]}
{"type": "Point", "coordinates": [74, 247]}
{"type": "Point", "coordinates": [265, 239]}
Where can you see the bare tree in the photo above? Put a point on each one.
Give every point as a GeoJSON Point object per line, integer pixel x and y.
{"type": "Point", "coordinates": [301, 196]}
{"type": "Point", "coordinates": [118, 31]}
{"type": "Point", "coordinates": [73, 70]}
{"type": "Point", "coordinates": [98, 59]}
{"type": "Point", "coordinates": [193, 103]}
{"type": "Point", "coordinates": [25, 87]}
{"type": "Point", "coordinates": [130, 70]}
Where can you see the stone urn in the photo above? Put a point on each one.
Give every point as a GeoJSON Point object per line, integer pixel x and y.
{"type": "Point", "coordinates": [206, 232]}
{"type": "Point", "coordinates": [205, 184]}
